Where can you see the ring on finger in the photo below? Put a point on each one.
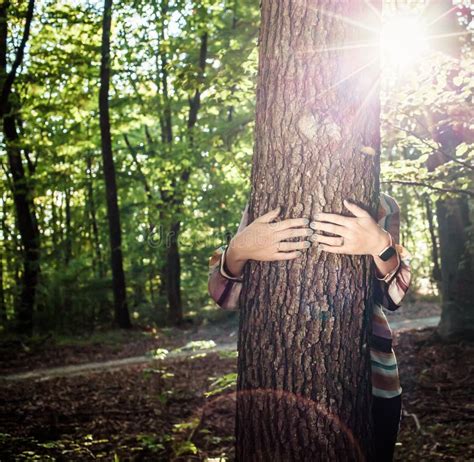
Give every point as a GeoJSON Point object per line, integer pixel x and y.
{"type": "Point", "coordinates": [329, 240]}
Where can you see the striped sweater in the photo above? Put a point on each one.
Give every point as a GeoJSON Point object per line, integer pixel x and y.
{"type": "Point", "coordinates": [388, 294]}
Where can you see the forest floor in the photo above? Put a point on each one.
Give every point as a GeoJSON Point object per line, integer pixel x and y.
{"type": "Point", "coordinates": [161, 409]}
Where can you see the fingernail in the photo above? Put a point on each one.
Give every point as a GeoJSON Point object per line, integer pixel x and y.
{"type": "Point", "coordinates": [309, 232]}
{"type": "Point", "coordinates": [307, 244]}
{"type": "Point", "coordinates": [299, 253]}
{"type": "Point", "coordinates": [312, 225]}
{"type": "Point", "coordinates": [305, 221]}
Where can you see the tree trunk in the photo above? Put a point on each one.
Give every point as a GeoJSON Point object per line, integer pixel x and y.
{"type": "Point", "coordinates": [122, 317]}
{"type": "Point", "coordinates": [173, 276]}
{"type": "Point", "coordinates": [173, 266]}
{"type": "Point", "coordinates": [3, 256]}
{"type": "Point", "coordinates": [166, 130]}
{"type": "Point", "coordinates": [68, 227]}
{"type": "Point", "coordinates": [436, 273]}
{"type": "Point", "coordinates": [3, 305]}
{"type": "Point", "coordinates": [27, 227]}
{"type": "Point", "coordinates": [457, 258]}
{"type": "Point", "coordinates": [97, 263]}
{"type": "Point", "coordinates": [457, 265]}
{"type": "Point", "coordinates": [22, 191]}
{"type": "Point", "coordinates": [171, 270]}
{"type": "Point", "coordinates": [304, 387]}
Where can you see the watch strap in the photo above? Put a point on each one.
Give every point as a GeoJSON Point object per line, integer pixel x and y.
{"type": "Point", "coordinates": [224, 271]}
{"type": "Point", "coordinates": [390, 274]}
{"type": "Point", "coordinates": [390, 246]}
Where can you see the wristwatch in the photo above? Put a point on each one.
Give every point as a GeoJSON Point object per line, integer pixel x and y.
{"type": "Point", "coordinates": [224, 270]}
{"type": "Point", "coordinates": [388, 251]}
{"type": "Point", "coordinates": [384, 255]}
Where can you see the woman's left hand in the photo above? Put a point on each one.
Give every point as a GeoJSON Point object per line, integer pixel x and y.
{"type": "Point", "coordinates": [361, 235]}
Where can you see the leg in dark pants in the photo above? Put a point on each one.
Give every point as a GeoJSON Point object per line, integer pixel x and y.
{"type": "Point", "coordinates": [386, 414]}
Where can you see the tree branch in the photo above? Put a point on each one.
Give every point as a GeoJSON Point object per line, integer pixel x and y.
{"type": "Point", "coordinates": [454, 159]}
{"type": "Point", "coordinates": [139, 168]}
{"type": "Point", "coordinates": [467, 192]}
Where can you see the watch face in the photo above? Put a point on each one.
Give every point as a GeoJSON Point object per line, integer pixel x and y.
{"type": "Point", "coordinates": [387, 253]}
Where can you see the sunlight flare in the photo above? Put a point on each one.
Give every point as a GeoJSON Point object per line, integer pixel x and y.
{"type": "Point", "coordinates": [403, 40]}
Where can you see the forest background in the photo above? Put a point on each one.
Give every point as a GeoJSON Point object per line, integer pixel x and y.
{"type": "Point", "coordinates": [182, 102]}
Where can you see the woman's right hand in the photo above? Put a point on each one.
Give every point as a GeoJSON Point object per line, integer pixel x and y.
{"type": "Point", "coordinates": [265, 241]}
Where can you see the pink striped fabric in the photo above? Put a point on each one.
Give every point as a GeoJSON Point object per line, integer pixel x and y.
{"type": "Point", "coordinates": [388, 294]}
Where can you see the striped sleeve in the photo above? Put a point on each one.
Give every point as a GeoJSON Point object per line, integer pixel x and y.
{"type": "Point", "coordinates": [225, 291]}
{"type": "Point", "coordinates": [390, 293]}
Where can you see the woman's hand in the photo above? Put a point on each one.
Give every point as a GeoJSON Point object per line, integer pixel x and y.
{"type": "Point", "coordinates": [265, 241]}
{"type": "Point", "coordinates": [361, 234]}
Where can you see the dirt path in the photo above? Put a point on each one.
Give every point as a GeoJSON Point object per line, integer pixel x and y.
{"type": "Point", "coordinates": [79, 369]}
{"type": "Point", "coordinates": [94, 367]}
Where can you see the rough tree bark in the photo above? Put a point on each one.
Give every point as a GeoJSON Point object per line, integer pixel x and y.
{"type": "Point", "coordinates": [122, 317]}
{"type": "Point", "coordinates": [21, 187]}
{"type": "Point", "coordinates": [304, 390]}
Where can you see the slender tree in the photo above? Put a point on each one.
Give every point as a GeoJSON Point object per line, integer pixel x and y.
{"type": "Point", "coordinates": [172, 137]}
{"type": "Point", "coordinates": [122, 317]}
{"type": "Point", "coordinates": [457, 257]}
{"type": "Point", "coordinates": [97, 263]}
{"type": "Point", "coordinates": [3, 230]}
{"type": "Point", "coordinates": [21, 186]}
{"type": "Point", "coordinates": [304, 392]}
{"type": "Point", "coordinates": [173, 264]}
{"type": "Point", "coordinates": [436, 273]}
{"type": "Point", "coordinates": [457, 264]}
